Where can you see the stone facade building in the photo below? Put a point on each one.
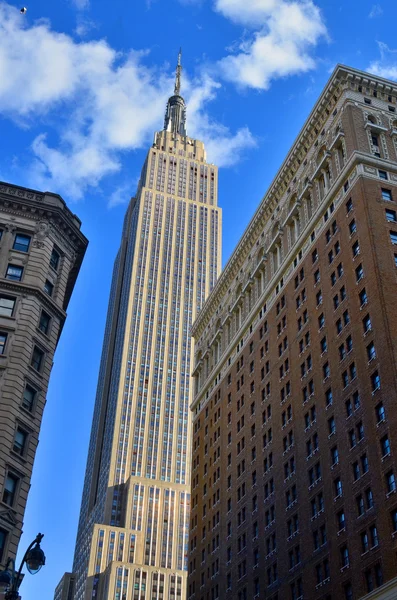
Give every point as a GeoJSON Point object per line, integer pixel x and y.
{"type": "Point", "coordinates": [41, 250]}
{"type": "Point", "coordinates": [295, 407]}
{"type": "Point", "coordinates": [132, 540]}
{"type": "Point", "coordinates": [65, 588]}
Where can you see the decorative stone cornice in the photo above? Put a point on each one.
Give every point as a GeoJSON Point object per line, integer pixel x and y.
{"type": "Point", "coordinates": [338, 82]}
{"type": "Point", "coordinates": [15, 287]}
{"type": "Point", "coordinates": [24, 202]}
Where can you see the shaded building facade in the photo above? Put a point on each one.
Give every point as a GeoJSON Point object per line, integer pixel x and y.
{"type": "Point", "coordinates": [41, 251]}
{"type": "Point", "coordinates": [295, 443]}
{"type": "Point", "coordinates": [133, 531]}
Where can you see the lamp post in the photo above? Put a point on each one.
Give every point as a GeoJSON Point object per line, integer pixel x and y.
{"type": "Point", "coordinates": [34, 558]}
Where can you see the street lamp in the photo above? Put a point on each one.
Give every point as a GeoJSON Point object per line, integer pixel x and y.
{"type": "Point", "coordinates": [34, 558]}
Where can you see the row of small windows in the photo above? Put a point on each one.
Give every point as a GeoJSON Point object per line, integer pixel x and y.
{"type": "Point", "coordinates": [22, 244]}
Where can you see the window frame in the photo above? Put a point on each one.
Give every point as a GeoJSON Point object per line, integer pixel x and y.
{"type": "Point", "coordinates": [10, 298]}
{"type": "Point", "coordinates": [16, 479]}
{"type": "Point", "coordinates": [23, 247]}
{"type": "Point", "coordinates": [55, 264]}
{"type": "Point", "coordinates": [13, 278]}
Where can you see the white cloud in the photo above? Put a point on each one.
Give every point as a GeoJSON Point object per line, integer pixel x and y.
{"type": "Point", "coordinates": [81, 4]}
{"type": "Point", "coordinates": [223, 148]}
{"type": "Point", "coordinates": [122, 194]}
{"type": "Point", "coordinates": [84, 26]}
{"type": "Point", "coordinates": [376, 11]}
{"type": "Point", "coordinates": [103, 104]}
{"type": "Point", "coordinates": [280, 43]}
{"type": "Point", "coordinates": [386, 66]}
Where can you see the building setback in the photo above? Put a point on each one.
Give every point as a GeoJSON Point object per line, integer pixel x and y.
{"type": "Point", "coordinates": [65, 588]}
{"type": "Point", "coordinates": [132, 539]}
{"type": "Point", "coordinates": [41, 251]}
{"type": "Point", "coordinates": [295, 405]}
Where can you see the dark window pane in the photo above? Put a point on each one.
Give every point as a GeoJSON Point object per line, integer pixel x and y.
{"type": "Point", "coordinates": [48, 287]}
{"type": "Point", "coordinates": [19, 441]}
{"type": "Point", "coordinates": [44, 322]}
{"type": "Point", "coordinates": [14, 272]}
{"type": "Point", "coordinates": [21, 242]}
{"type": "Point", "coordinates": [3, 539]}
{"type": "Point", "coordinates": [6, 306]}
{"type": "Point", "coordinates": [29, 395]}
{"type": "Point", "coordinates": [3, 341]}
{"type": "Point", "coordinates": [54, 260]}
{"type": "Point", "coordinates": [10, 489]}
{"type": "Point", "coordinates": [37, 358]}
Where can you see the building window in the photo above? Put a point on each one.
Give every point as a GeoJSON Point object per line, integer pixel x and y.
{"type": "Point", "coordinates": [10, 488]}
{"type": "Point", "coordinates": [20, 441]}
{"type": "Point", "coordinates": [28, 398]}
{"type": "Point", "coordinates": [37, 359]}
{"type": "Point", "coordinates": [48, 287]}
{"type": "Point", "coordinates": [54, 260]}
{"type": "Point", "coordinates": [385, 446]}
{"type": "Point", "coordinates": [352, 227]}
{"type": "Point", "coordinates": [349, 205]}
{"type": "Point", "coordinates": [364, 541]}
{"type": "Point", "coordinates": [3, 342]}
{"type": "Point", "coordinates": [328, 397]}
{"type": "Point", "coordinates": [344, 554]}
{"type": "Point", "coordinates": [393, 237]}
{"type": "Point", "coordinates": [363, 297]}
{"type": "Point", "coordinates": [390, 482]}
{"type": "Point", "coordinates": [356, 248]}
{"type": "Point", "coordinates": [44, 323]}
{"type": "Point", "coordinates": [14, 272]}
{"type": "Point", "coordinates": [374, 536]}
{"type": "Point", "coordinates": [394, 520]}
{"type": "Point", "coordinates": [3, 540]}
{"type": "Point", "coordinates": [7, 306]}
{"type": "Point", "coordinates": [371, 352]}
{"type": "Point", "coordinates": [21, 242]}
{"type": "Point", "coordinates": [367, 324]}
{"type": "Point", "coordinates": [375, 381]}
{"type": "Point", "coordinates": [391, 216]}
{"type": "Point", "coordinates": [359, 273]}
{"type": "Point", "coordinates": [348, 590]}
{"type": "Point", "coordinates": [382, 174]}
{"type": "Point", "coordinates": [386, 195]}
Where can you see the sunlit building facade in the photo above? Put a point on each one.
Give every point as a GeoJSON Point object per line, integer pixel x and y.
{"type": "Point", "coordinates": [41, 251]}
{"type": "Point", "coordinates": [132, 540]}
{"type": "Point", "coordinates": [294, 489]}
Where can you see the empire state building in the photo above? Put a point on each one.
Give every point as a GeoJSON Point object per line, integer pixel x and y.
{"type": "Point", "coordinates": [132, 541]}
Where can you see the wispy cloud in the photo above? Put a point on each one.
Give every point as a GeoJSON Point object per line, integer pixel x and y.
{"type": "Point", "coordinates": [376, 11]}
{"type": "Point", "coordinates": [122, 194]}
{"type": "Point", "coordinates": [103, 103]}
{"type": "Point", "coordinates": [223, 148]}
{"type": "Point", "coordinates": [81, 4]}
{"type": "Point", "coordinates": [386, 66]}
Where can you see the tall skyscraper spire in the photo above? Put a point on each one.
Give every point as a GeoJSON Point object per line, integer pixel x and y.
{"type": "Point", "coordinates": [132, 540]}
{"type": "Point", "coordinates": [177, 89]}
{"type": "Point", "coordinates": [175, 114]}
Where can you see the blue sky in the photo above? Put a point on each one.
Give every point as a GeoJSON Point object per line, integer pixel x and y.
{"type": "Point", "coordinates": [83, 86]}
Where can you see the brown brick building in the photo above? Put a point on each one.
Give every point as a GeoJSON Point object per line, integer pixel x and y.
{"type": "Point", "coordinates": [295, 409]}
{"type": "Point", "coordinates": [41, 250]}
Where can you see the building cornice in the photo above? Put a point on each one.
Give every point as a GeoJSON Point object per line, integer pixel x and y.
{"type": "Point", "coordinates": [16, 287]}
{"type": "Point", "coordinates": [331, 94]}
{"type": "Point", "coordinates": [42, 205]}
{"type": "Point", "coordinates": [370, 163]}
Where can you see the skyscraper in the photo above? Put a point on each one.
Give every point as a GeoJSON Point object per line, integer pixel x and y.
{"type": "Point", "coordinates": [295, 432]}
{"type": "Point", "coordinates": [133, 532]}
{"type": "Point", "coordinates": [41, 251]}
